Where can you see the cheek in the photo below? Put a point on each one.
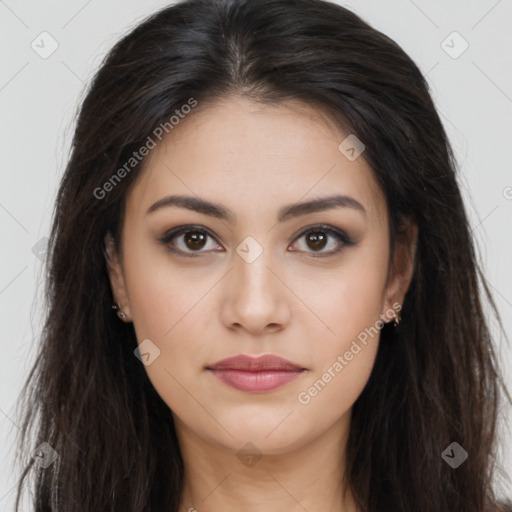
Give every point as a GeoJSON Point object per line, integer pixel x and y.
{"type": "Point", "coordinates": [344, 355]}
{"type": "Point", "coordinates": [167, 306]}
{"type": "Point", "coordinates": [164, 315]}
{"type": "Point", "coordinates": [329, 395]}
{"type": "Point", "coordinates": [349, 304]}
{"type": "Point", "coordinates": [161, 295]}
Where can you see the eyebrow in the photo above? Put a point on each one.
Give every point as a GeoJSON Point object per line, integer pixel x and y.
{"type": "Point", "coordinates": [285, 213]}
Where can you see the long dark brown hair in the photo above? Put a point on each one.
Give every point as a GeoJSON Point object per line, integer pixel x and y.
{"type": "Point", "coordinates": [436, 379]}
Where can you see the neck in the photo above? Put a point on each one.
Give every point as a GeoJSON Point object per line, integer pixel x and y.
{"type": "Point", "coordinates": [308, 477]}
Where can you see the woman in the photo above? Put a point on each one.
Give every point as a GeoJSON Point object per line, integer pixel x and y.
{"type": "Point", "coordinates": [262, 286]}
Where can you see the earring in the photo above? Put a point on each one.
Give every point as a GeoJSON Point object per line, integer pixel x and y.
{"type": "Point", "coordinates": [120, 314]}
{"type": "Point", "coordinates": [397, 319]}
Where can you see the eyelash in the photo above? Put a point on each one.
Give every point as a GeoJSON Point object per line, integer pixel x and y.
{"type": "Point", "coordinates": [339, 235]}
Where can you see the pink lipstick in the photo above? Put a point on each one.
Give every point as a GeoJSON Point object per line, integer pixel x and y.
{"type": "Point", "coordinates": [255, 374]}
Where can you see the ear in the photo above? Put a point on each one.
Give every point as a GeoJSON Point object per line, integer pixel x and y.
{"type": "Point", "coordinates": [116, 276]}
{"type": "Point", "coordinates": [402, 268]}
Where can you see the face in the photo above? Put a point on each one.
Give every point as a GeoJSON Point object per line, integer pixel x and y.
{"type": "Point", "coordinates": [305, 286]}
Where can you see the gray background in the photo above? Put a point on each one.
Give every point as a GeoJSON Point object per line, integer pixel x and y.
{"type": "Point", "coordinates": [39, 96]}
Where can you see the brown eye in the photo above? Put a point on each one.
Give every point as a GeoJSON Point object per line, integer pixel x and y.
{"type": "Point", "coordinates": [188, 240]}
{"type": "Point", "coordinates": [318, 238]}
{"type": "Point", "coordinates": [194, 239]}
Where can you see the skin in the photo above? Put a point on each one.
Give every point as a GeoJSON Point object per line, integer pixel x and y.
{"type": "Point", "coordinates": [254, 159]}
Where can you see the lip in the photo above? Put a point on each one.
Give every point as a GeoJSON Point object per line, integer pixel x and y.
{"type": "Point", "coordinates": [255, 364]}
{"type": "Point", "coordinates": [255, 374]}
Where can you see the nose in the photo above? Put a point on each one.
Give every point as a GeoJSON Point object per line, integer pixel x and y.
{"type": "Point", "coordinates": [255, 296]}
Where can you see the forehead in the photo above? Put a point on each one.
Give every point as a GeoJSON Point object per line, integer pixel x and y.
{"type": "Point", "coordinates": [243, 153]}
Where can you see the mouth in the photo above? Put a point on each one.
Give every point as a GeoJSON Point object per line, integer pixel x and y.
{"type": "Point", "coordinates": [254, 375]}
